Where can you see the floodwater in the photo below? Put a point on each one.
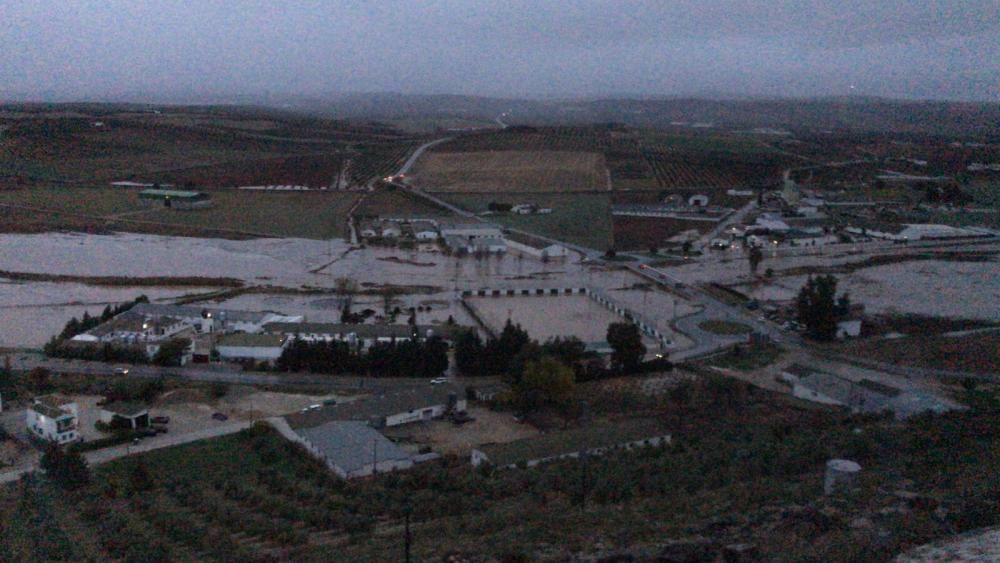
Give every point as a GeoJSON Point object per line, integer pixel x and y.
{"type": "Point", "coordinates": [966, 290]}
{"type": "Point", "coordinates": [435, 279]}
{"type": "Point", "coordinates": [32, 312]}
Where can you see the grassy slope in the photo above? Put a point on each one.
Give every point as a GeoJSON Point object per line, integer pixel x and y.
{"type": "Point", "coordinates": [744, 469]}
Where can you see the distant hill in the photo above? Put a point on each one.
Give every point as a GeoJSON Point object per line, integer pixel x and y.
{"type": "Point", "coordinates": [965, 119]}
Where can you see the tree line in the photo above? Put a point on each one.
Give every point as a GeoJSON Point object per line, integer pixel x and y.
{"type": "Point", "coordinates": [399, 358]}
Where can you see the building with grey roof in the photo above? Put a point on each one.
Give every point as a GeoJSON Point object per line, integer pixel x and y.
{"type": "Point", "coordinates": [214, 319]}
{"type": "Point", "coordinates": [390, 408]}
{"type": "Point", "coordinates": [353, 448]}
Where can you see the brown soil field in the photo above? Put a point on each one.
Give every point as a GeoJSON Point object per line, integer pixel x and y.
{"type": "Point", "coordinates": [633, 233]}
{"type": "Point", "coordinates": [513, 171]}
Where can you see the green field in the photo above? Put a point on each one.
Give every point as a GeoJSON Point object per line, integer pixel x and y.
{"type": "Point", "coordinates": [318, 215]}
{"type": "Point", "coordinates": [583, 219]}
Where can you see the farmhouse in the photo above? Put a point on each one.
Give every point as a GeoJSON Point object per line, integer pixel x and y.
{"type": "Point", "coordinates": [132, 328]}
{"type": "Point", "coordinates": [354, 449]}
{"type": "Point", "coordinates": [210, 319]}
{"type": "Point", "coordinates": [595, 440]}
{"type": "Point", "coordinates": [135, 327]}
{"type": "Point", "coordinates": [391, 408]}
{"type": "Point", "coordinates": [423, 230]}
{"type": "Point", "coordinates": [53, 418]}
{"type": "Point", "coordinates": [125, 415]}
{"type": "Point", "coordinates": [175, 199]}
{"type": "Point", "coordinates": [256, 347]}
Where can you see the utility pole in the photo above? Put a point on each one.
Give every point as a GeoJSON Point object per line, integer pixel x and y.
{"type": "Point", "coordinates": [407, 539]}
{"type": "Point", "coordinates": [374, 457]}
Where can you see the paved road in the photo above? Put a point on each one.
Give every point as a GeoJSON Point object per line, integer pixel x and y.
{"type": "Point", "coordinates": [215, 374]}
{"type": "Point", "coordinates": [105, 455]}
{"type": "Point", "coordinates": [418, 153]}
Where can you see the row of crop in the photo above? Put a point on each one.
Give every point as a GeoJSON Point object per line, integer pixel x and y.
{"type": "Point", "coordinates": [673, 173]}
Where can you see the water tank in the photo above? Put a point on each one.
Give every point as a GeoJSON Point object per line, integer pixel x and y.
{"type": "Point", "coordinates": [841, 475]}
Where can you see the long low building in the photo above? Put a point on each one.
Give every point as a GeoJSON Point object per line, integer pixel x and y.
{"type": "Point", "coordinates": [354, 449]}
{"type": "Point", "coordinates": [363, 336]}
{"type": "Point", "coordinates": [392, 408]}
{"type": "Point", "coordinates": [256, 347]}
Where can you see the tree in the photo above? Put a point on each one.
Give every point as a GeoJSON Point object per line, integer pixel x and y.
{"type": "Point", "coordinates": [468, 353]}
{"type": "Point", "coordinates": [545, 381]}
{"type": "Point", "coordinates": [65, 467]}
{"type": "Point", "coordinates": [755, 257]}
{"type": "Point", "coordinates": [686, 247]}
{"type": "Point", "coordinates": [171, 352]}
{"type": "Point", "coordinates": [626, 345]}
{"type": "Point", "coordinates": [816, 307]}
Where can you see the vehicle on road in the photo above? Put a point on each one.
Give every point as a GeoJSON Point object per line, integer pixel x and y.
{"type": "Point", "coordinates": [439, 380]}
{"type": "Point", "coordinates": [219, 416]}
{"type": "Point", "coordinates": [121, 371]}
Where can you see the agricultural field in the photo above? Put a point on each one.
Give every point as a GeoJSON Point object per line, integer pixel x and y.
{"type": "Point", "coordinates": [98, 144]}
{"type": "Point", "coordinates": [314, 215]}
{"type": "Point", "coordinates": [744, 464]}
{"type": "Point", "coordinates": [583, 219]}
{"type": "Point", "coordinates": [512, 171]}
{"type": "Point", "coordinates": [620, 148]}
{"type": "Point", "coordinates": [643, 233]}
{"type": "Point", "coordinates": [239, 213]}
{"type": "Point", "coordinates": [975, 353]}
{"type": "Point", "coordinates": [398, 203]}
{"type": "Point", "coordinates": [314, 171]}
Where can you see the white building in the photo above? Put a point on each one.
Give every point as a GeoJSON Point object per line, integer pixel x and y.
{"type": "Point", "coordinates": [53, 418]}
{"type": "Point", "coordinates": [256, 347]}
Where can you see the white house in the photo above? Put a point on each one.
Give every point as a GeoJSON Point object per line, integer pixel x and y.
{"type": "Point", "coordinates": [53, 418]}
{"type": "Point", "coordinates": [391, 230]}
{"type": "Point", "coordinates": [848, 329]}
{"type": "Point", "coordinates": [424, 231]}
{"type": "Point", "coordinates": [256, 347]}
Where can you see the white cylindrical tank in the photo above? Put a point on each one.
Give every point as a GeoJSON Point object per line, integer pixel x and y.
{"type": "Point", "coordinates": [841, 474]}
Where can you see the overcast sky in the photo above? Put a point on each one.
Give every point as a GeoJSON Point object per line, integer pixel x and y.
{"type": "Point", "coordinates": [512, 48]}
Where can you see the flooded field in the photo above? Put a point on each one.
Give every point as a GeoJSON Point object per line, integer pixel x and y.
{"type": "Point", "coordinates": [547, 317]}
{"type": "Point", "coordinates": [969, 290]}
{"type": "Point", "coordinates": [32, 312]}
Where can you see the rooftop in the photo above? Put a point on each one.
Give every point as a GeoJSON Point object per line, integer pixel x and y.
{"type": "Point", "coordinates": [128, 409]}
{"type": "Point", "coordinates": [352, 445]}
{"type": "Point", "coordinates": [252, 340]}
{"type": "Point", "coordinates": [191, 311]}
{"type": "Point", "coordinates": [179, 194]}
{"type": "Point", "coordinates": [379, 405]}
{"type": "Point", "coordinates": [363, 330]}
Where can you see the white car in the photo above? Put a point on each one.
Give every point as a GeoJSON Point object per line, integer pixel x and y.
{"type": "Point", "coordinates": [121, 371]}
{"type": "Point", "coordinates": [439, 380]}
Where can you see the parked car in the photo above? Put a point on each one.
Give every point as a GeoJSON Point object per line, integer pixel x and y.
{"type": "Point", "coordinates": [159, 428]}
{"type": "Point", "coordinates": [439, 380]}
{"type": "Point", "coordinates": [160, 420]}
{"type": "Point", "coordinates": [219, 416]}
{"type": "Point", "coordinates": [330, 402]}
